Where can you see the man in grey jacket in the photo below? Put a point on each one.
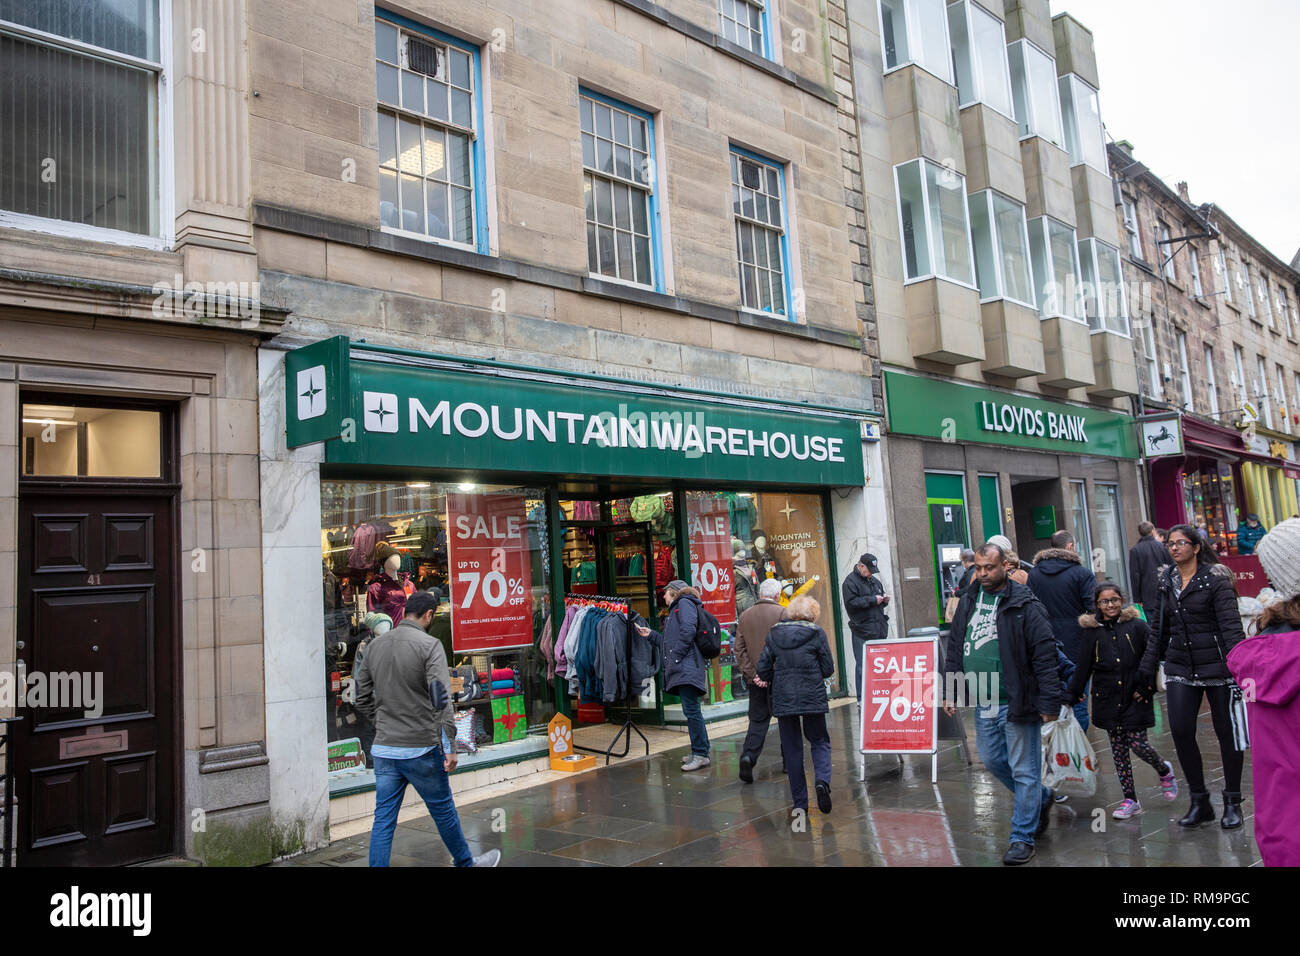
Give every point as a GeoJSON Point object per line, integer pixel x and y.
{"type": "Point", "coordinates": [402, 685]}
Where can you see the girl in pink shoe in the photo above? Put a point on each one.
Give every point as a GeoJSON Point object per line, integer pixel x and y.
{"type": "Point", "coordinates": [1114, 640]}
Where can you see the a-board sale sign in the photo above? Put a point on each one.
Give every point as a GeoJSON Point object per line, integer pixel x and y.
{"type": "Point", "coordinates": [898, 696]}
{"type": "Point", "coordinates": [490, 573]}
{"type": "Point", "coordinates": [709, 527]}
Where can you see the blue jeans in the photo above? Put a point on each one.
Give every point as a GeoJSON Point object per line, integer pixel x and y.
{"type": "Point", "coordinates": [1014, 754]}
{"type": "Point", "coordinates": [694, 720]}
{"type": "Point", "coordinates": [1081, 708]}
{"type": "Point", "coordinates": [431, 782]}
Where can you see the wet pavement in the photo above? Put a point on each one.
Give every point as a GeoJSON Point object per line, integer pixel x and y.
{"type": "Point", "coordinates": [646, 812]}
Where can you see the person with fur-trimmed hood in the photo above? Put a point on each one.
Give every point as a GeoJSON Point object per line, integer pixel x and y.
{"type": "Point", "coordinates": [1114, 641]}
{"type": "Point", "coordinates": [1067, 589]}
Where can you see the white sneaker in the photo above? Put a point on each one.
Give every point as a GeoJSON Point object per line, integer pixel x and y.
{"type": "Point", "coordinates": [695, 763]}
{"type": "Point", "coordinates": [490, 858]}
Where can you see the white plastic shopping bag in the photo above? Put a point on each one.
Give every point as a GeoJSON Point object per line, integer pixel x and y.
{"type": "Point", "coordinates": [1069, 765]}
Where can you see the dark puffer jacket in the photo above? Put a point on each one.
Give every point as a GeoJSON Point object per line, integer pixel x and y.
{"type": "Point", "coordinates": [1112, 656]}
{"type": "Point", "coordinates": [796, 660]}
{"type": "Point", "coordinates": [683, 662]}
{"type": "Point", "coordinates": [867, 618]}
{"type": "Point", "coordinates": [1197, 625]}
{"type": "Point", "coordinates": [1066, 589]}
{"type": "Point", "coordinates": [1026, 647]}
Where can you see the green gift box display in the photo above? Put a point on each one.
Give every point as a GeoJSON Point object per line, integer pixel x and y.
{"type": "Point", "coordinates": [508, 719]}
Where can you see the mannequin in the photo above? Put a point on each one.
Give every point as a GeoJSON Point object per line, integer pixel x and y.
{"type": "Point", "coordinates": [763, 560]}
{"type": "Point", "coordinates": [387, 594]}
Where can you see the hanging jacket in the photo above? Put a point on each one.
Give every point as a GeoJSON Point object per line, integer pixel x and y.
{"type": "Point", "coordinates": [1066, 588]}
{"type": "Point", "coordinates": [363, 546]}
{"type": "Point", "coordinates": [611, 657]}
{"type": "Point", "coordinates": [1270, 663]}
{"type": "Point", "coordinates": [561, 663]}
{"type": "Point", "coordinates": [1197, 625]}
{"type": "Point", "coordinates": [796, 661]}
{"type": "Point", "coordinates": [645, 660]}
{"type": "Point", "coordinates": [1111, 655]}
{"type": "Point", "coordinates": [545, 644]}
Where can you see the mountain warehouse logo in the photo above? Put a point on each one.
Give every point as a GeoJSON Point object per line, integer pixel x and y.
{"type": "Point", "coordinates": [665, 431]}
{"type": "Point", "coordinates": [311, 392]}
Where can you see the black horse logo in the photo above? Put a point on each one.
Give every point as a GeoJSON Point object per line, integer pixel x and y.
{"type": "Point", "coordinates": [1161, 436]}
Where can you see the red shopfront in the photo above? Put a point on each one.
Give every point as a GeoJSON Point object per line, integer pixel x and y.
{"type": "Point", "coordinates": [1204, 487]}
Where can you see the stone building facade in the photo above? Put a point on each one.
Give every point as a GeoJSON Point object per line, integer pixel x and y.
{"type": "Point", "coordinates": [717, 101]}
{"type": "Point", "coordinates": [1216, 326]}
{"type": "Point", "coordinates": [990, 212]}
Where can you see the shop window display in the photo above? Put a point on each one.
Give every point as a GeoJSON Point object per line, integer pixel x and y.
{"type": "Point", "coordinates": [483, 550]}
{"type": "Point", "coordinates": [1210, 503]}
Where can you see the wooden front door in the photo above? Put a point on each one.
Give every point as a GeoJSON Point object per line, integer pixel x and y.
{"type": "Point", "coordinates": [97, 593]}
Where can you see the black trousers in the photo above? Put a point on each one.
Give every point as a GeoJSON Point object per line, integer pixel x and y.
{"type": "Point", "coordinates": [1184, 704]}
{"type": "Point", "coordinates": [760, 718]}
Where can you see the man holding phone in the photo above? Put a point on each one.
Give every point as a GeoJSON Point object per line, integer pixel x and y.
{"type": "Point", "coordinates": [865, 601]}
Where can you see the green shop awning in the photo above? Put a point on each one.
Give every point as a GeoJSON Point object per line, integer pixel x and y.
{"type": "Point", "coordinates": [378, 410]}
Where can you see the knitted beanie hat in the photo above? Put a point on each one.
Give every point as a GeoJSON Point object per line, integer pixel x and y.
{"type": "Point", "coordinates": [1002, 541]}
{"type": "Point", "coordinates": [1279, 553]}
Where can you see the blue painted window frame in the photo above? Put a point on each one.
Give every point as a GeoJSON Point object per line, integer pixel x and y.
{"type": "Point", "coordinates": [481, 238]}
{"type": "Point", "coordinates": [786, 278]}
{"type": "Point", "coordinates": [656, 253]}
{"type": "Point", "coordinates": [766, 20]}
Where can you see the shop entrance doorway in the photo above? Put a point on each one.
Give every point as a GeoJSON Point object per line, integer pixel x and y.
{"type": "Point", "coordinates": [1038, 510]}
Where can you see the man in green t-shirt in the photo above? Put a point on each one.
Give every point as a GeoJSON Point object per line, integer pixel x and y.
{"type": "Point", "coordinates": [1001, 633]}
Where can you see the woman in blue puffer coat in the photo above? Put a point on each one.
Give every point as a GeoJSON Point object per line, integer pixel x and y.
{"type": "Point", "coordinates": [684, 666]}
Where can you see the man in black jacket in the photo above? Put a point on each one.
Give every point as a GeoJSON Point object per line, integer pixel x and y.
{"type": "Point", "coordinates": [1067, 589]}
{"type": "Point", "coordinates": [1002, 643]}
{"type": "Point", "coordinates": [1144, 559]}
{"type": "Point", "coordinates": [865, 600]}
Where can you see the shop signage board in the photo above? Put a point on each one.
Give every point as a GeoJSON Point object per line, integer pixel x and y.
{"type": "Point", "coordinates": [406, 415]}
{"type": "Point", "coordinates": [489, 572]}
{"type": "Point", "coordinates": [953, 412]}
{"type": "Point", "coordinates": [899, 692]}
{"type": "Point", "coordinates": [1162, 436]}
{"type": "Point", "coordinates": [1044, 519]}
{"type": "Point", "coordinates": [316, 391]}
{"type": "Point", "coordinates": [709, 527]}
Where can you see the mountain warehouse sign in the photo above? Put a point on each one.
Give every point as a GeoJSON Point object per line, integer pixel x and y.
{"type": "Point", "coordinates": [1021, 420]}
{"type": "Point", "coordinates": [402, 415]}
{"type": "Point", "coordinates": [953, 412]}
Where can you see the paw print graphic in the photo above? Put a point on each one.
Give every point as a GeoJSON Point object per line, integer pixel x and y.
{"type": "Point", "coordinates": [561, 738]}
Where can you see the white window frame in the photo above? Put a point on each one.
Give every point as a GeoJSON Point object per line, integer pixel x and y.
{"type": "Point", "coordinates": [1240, 384]}
{"type": "Point", "coordinates": [985, 196]}
{"type": "Point", "coordinates": [1280, 398]}
{"type": "Point", "coordinates": [1285, 297]}
{"type": "Point", "coordinates": [165, 200]}
{"type": "Point", "coordinates": [1198, 290]}
{"type": "Point", "coordinates": [1071, 82]}
{"type": "Point", "coordinates": [1153, 361]}
{"type": "Point", "coordinates": [1243, 278]}
{"type": "Point", "coordinates": [1091, 257]}
{"type": "Point", "coordinates": [1268, 305]}
{"type": "Point", "coordinates": [1261, 390]}
{"type": "Point", "coordinates": [925, 200]}
{"type": "Point", "coordinates": [1185, 372]}
{"type": "Point", "coordinates": [1040, 227]}
{"type": "Point", "coordinates": [1221, 266]}
{"type": "Point", "coordinates": [1165, 251]}
{"type": "Point", "coordinates": [1132, 228]}
{"type": "Point", "coordinates": [1211, 381]}
{"type": "Point", "coordinates": [909, 21]}
{"type": "Point", "coordinates": [971, 10]}
{"type": "Point", "coordinates": [1031, 106]}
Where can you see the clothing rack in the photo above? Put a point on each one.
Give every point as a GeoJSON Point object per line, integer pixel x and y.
{"type": "Point", "coordinates": [628, 724]}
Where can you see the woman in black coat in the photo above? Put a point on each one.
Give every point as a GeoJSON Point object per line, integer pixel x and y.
{"type": "Point", "coordinates": [685, 670]}
{"type": "Point", "coordinates": [1197, 624]}
{"type": "Point", "coordinates": [1113, 642]}
{"type": "Point", "coordinates": [795, 663]}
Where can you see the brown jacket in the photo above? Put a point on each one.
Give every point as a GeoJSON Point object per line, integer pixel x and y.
{"type": "Point", "coordinates": [751, 634]}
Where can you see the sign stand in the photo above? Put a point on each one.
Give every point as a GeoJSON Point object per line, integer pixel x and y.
{"type": "Point", "coordinates": [898, 713]}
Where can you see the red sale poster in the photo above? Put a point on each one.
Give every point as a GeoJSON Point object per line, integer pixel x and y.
{"type": "Point", "coordinates": [709, 527]}
{"type": "Point", "coordinates": [490, 572]}
{"type": "Point", "coordinates": [898, 713]}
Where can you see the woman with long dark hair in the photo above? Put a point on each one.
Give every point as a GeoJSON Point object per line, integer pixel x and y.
{"type": "Point", "coordinates": [1197, 624]}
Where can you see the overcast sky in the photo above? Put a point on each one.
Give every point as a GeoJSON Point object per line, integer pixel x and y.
{"type": "Point", "coordinates": [1208, 92]}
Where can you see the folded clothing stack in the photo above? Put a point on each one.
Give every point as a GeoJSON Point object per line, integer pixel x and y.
{"type": "Point", "coordinates": [505, 682]}
{"type": "Point", "coordinates": [472, 686]}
